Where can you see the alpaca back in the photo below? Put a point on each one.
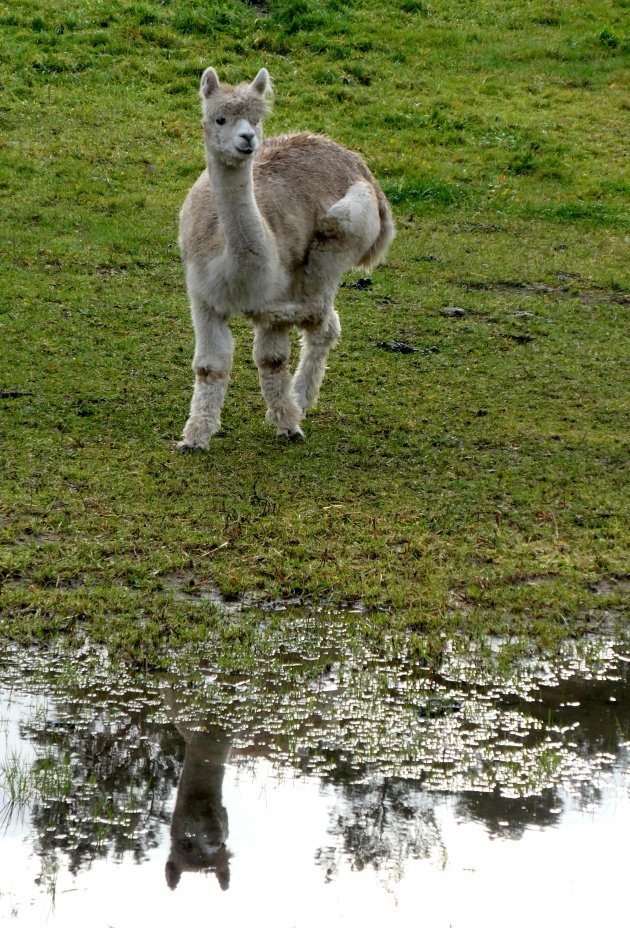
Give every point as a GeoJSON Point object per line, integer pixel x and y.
{"type": "Point", "coordinates": [297, 178]}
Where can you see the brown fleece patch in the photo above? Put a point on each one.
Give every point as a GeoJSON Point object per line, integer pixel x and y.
{"type": "Point", "coordinates": [270, 364]}
{"type": "Point", "coordinates": [206, 374]}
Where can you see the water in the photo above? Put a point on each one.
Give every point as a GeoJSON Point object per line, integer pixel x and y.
{"type": "Point", "coordinates": [365, 795]}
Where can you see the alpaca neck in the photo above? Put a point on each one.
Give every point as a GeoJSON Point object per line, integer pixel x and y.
{"type": "Point", "coordinates": [246, 233]}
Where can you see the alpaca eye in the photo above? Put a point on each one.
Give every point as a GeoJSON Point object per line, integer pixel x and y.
{"type": "Point", "coordinates": [220, 121]}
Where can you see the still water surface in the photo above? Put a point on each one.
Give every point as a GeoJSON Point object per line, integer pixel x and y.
{"type": "Point", "coordinates": [365, 796]}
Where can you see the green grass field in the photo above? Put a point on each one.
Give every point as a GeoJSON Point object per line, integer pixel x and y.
{"type": "Point", "coordinates": [477, 485]}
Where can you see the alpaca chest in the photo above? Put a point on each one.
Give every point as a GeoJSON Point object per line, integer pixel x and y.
{"type": "Point", "coordinates": [238, 283]}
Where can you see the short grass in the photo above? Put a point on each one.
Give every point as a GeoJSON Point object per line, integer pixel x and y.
{"type": "Point", "coordinates": [478, 484]}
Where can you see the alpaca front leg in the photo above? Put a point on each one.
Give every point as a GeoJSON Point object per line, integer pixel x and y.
{"type": "Point", "coordinates": [316, 342]}
{"type": "Point", "coordinates": [272, 351]}
{"type": "Point", "coordinates": [212, 365]}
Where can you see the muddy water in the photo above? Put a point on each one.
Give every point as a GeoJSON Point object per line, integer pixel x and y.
{"type": "Point", "coordinates": [367, 794]}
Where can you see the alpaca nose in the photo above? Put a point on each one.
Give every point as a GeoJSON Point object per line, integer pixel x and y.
{"type": "Point", "coordinates": [248, 137]}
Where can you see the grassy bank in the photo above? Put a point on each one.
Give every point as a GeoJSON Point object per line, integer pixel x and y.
{"type": "Point", "coordinates": [476, 484]}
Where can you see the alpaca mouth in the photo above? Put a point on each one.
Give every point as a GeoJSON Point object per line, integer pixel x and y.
{"type": "Point", "coordinates": [246, 149]}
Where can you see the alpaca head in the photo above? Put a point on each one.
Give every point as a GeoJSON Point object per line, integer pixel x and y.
{"type": "Point", "coordinates": [232, 117]}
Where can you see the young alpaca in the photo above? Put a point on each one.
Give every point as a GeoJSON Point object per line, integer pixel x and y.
{"type": "Point", "coordinates": [268, 230]}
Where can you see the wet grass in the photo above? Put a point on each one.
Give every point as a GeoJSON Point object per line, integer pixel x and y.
{"type": "Point", "coordinates": [16, 781]}
{"type": "Point", "coordinates": [475, 486]}
{"type": "Point", "coordinates": [22, 782]}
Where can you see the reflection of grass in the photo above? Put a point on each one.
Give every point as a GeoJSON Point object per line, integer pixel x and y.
{"type": "Point", "coordinates": [49, 876]}
{"type": "Point", "coordinates": [541, 767]}
{"type": "Point", "coordinates": [432, 486]}
{"type": "Point", "coordinates": [53, 777]}
{"type": "Point", "coordinates": [50, 781]}
{"type": "Point", "coordinates": [549, 760]}
{"type": "Point", "coordinates": [102, 819]}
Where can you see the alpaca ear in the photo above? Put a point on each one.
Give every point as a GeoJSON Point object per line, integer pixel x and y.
{"type": "Point", "coordinates": [261, 82]}
{"type": "Point", "coordinates": [209, 82]}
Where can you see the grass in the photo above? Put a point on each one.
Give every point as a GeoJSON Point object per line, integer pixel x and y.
{"type": "Point", "coordinates": [477, 487]}
{"type": "Point", "coordinates": [22, 780]}
{"type": "Point", "coordinates": [16, 782]}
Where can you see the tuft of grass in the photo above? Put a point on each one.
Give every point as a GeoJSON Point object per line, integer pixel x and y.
{"type": "Point", "coordinates": [16, 781]}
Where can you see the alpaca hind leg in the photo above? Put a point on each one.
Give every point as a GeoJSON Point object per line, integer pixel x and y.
{"type": "Point", "coordinates": [272, 351]}
{"type": "Point", "coordinates": [353, 221]}
{"type": "Point", "coordinates": [316, 342]}
{"type": "Point", "coordinates": [344, 234]}
{"type": "Point", "coordinates": [347, 229]}
{"type": "Point", "coordinates": [212, 364]}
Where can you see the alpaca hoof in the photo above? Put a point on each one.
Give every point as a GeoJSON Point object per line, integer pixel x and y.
{"type": "Point", "coordinates": [197, 434]}
{"type": "Point", "coordinates": [185, 447]}
{"type": "Point", "coordinates": [294, 435]}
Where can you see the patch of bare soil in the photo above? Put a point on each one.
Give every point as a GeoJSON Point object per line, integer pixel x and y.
{"type": "Point", "coordinates": [560, 291]}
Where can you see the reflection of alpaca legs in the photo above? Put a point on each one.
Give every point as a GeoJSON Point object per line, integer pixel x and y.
{"type": "Point", "coordinates": [199, 826]}
{"type": "Point", "coordinates": [272, 350]}
{"type": "Point", "coordinates": [316, 342]}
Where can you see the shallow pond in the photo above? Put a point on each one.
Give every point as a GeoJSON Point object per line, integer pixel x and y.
{"type": "Point", "coordinates": [364, 795]}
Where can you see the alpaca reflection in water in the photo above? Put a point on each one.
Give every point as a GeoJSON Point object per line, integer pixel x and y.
{"type": "Point", "coordinates": [199, 828]}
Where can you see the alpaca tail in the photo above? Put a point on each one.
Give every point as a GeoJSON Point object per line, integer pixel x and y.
{"type": "Point", "coordinates": [375, 254]}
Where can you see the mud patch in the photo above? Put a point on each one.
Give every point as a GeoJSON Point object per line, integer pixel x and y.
{"type": "Point", "coordinates": [558, 292]}
{"type": "Point", "coordinates": [612, 585]}
{"type": "Point", "coordinates": [405, 348]}
{"type": "Point", "coordinates": [183, 588]}
{"type": "Point", "coordinates": [39, 539]}
{"type": "Point", "coordinates": [535, 579]}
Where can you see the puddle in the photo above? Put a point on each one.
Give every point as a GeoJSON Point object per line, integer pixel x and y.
{"type": "Point", "coordinates": [371, 794]}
